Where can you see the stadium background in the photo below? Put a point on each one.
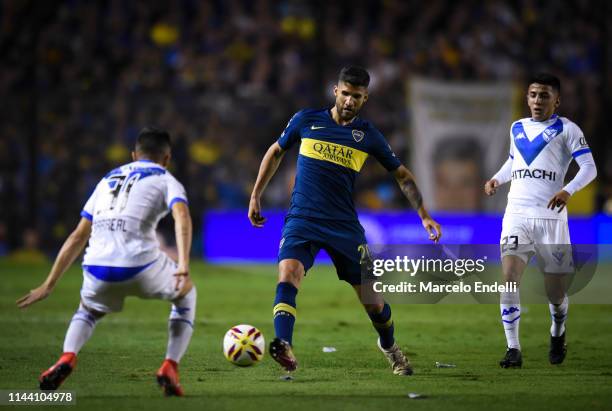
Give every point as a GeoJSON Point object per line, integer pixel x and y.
{"type": "Point", "coordinates": [80, 78]}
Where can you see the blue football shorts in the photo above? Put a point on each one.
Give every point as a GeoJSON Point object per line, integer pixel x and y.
{"type": "Point", "coordinates": [303, 238]}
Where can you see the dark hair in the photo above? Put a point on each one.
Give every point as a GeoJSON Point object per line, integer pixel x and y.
{"type": "Point", "coordinates": [355, 75]}
{"type": "Point", "coordinates": [153, 142]}
{"type": "Point", "coordinates": [547, 80]}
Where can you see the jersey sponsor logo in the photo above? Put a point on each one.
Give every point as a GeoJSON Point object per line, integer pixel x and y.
{"type": "Point", "coordinates": [536, 173]}
{"type": "Point", "coordinates": [358, 135]}
{"type": "Point", "coordinates": [583, 142]}
{"type": "Point", "coordinates": [313, 127]}
{"type": "Point", "coordinates": [339, 154]}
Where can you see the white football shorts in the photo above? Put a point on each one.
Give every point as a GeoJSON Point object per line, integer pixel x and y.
{"type": "Point", "coordinates": [157, 281]}
{"type": "Point", "coordinates": [547, 239]}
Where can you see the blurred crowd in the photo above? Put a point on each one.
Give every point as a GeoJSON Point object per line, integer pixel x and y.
{"type": "Point", "coordinates": [80, 78]}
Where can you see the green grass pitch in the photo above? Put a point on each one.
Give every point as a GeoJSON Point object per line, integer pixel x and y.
{"type": "Point", "coordinates": [116, 368]}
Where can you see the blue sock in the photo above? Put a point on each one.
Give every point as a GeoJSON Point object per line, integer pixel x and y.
{"type": "Point", "coordinates": [384, 326]}
{"type": "Point", "coordinates": [284, 311]}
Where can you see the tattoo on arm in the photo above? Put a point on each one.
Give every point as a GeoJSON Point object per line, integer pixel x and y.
{"type": "Point", "coordinates": [412, 193]}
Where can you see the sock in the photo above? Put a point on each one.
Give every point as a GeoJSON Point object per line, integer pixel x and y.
{"type": "Point", "coordinates": [383, 323]}
{"type": "Point", "coordinates": [80, 330]}
{"type": "Point", "coordinates": [180, 325]}
{"type": "Point", "coordinates": [284, 311]}
{"type": "Point", "coordinates": [558, 312]}
{"type": "Point", "coordinates": [510, 306]}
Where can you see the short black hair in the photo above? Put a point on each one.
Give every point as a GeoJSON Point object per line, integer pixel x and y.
{"type": "Point", "coordinates": [546, 79]}
{"type": "Point", "coordinates": [153, 142]}
{"type": "Point", "coordinates": [355, 75]}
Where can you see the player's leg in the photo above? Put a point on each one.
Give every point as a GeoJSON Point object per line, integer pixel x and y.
{"type": "Point", "coordinates": [380, 315]}
{"type": "Point", "coordinates": [516, 250]}
{"type": "Point", "coordinates": [180, 330]}
{"type": "Point", "coordinates": [79, 331]}
{"type": "Point", "coordinates": [510, 301]}
{"type": "Point", "coordinates": [290, 274]}
{"type": "Point", "coordinates": [158, 281]}
{"type": "Point", "coordinates": [296, 255]}
{"type": "Point", "coordinates": [556, 262]}
{"type": "Point", "coordinates": [97, 298]}
{"type": "Point", "coordinates": [349, 252]}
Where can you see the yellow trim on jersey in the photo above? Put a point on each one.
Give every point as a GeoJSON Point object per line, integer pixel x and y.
{"type": "Point", "coordinates": [284, 307]}
{"type": "Point", "coordinates": [384, 325]}
{"type": "Point", "coordinates": [345, 156]}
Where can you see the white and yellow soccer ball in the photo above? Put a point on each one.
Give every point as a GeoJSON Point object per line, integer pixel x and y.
{"type": "Point", "coordinates": [243, 345]}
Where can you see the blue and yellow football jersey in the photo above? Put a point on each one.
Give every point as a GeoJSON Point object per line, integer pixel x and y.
{"type": "Point", "coordinates": [331, 156]}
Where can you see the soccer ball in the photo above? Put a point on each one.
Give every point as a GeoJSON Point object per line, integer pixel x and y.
{"type": "Point", "coordinates": [243, 345]}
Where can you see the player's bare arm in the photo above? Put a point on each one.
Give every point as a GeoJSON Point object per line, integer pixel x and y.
{"type": "Point", "coordinates": [72, 247]}
{"type": "Point", "coordinates": [267, 169]}
{"type": "Point", "coordinates": [406, 181]}
{"type": "Point", "coordinates": [183, 230]}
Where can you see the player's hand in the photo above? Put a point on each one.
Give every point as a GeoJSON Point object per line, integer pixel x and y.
{"type": "Point", "coordinates": [490, 187]}
{"type": "Point", "coordinates": [257, 220]}
{"type": "Point", "coordinates": [433, 228]}
{"type": "Point", "coordinates": [181, 279]}
{"type": "Point", "coordinates": [559, 200]}
{"type": "Point", "coordinates": [34, 295]}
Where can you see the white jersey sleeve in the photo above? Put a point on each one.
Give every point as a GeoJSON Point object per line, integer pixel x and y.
{"type": "Point", "coordinates": [575, 142]}
{"type": "Point", "coordinates": [88, 208]}
{"type": "Point", "coordinates": [175, 192]}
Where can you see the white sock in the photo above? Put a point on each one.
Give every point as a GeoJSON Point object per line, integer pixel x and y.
{"type": "Point", "coordinates": [558, 312]}
{"type": "Point", "coordinates": [180, 325]}
{"type": "Point", "coordinates": [80, 330]}
{"type": "Point", "coordinates": [510, 307]}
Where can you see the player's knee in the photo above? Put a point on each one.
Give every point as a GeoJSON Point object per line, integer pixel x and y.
{"type": "Point", "coordinates": [290, 271]}
{"type": "Point", "coordinates": [94, 313]}
{"type": "Point", "coordinates": [512, 269]}
{"type": "Point", "coordinates": [373, 308]}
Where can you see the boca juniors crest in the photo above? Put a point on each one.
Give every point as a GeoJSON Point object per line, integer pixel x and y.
{"type": "Point", "coordinates": [358, 135]}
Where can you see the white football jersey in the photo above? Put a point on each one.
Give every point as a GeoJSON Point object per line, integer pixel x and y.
{"type": "Point", "coordinates": [124, 209]}
{"type": "Point", "coordinates": [541, 152]}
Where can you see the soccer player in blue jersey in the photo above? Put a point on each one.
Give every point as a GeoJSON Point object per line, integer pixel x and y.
{"type": "Point", "coordinates": [334, 145]}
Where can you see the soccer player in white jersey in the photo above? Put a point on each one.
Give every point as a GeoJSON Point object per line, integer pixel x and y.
{"type": "Point", "coordinates": [123, 257]}
{"type": "Point", "coordinates": [535, 223]}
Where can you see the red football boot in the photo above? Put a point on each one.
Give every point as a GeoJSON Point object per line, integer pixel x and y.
{"type": "Point", "coordinates": [168, 379]}
{"type": "Point", "coordinates": [55, 376]}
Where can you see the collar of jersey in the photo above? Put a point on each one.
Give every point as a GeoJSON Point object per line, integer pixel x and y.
{"type": "Point", "coordinates": [553, 117]}
{"type": "Point", "coordinates": [531, 149]}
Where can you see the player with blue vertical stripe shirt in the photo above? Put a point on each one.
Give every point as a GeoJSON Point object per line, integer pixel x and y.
{"type": "Point", "coordinates": [334, 145]}
{"type": "Point", "coordinates": [535, 223]}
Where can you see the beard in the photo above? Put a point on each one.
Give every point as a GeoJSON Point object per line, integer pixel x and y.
{"type": "Point", "coordinates": [345, 114]}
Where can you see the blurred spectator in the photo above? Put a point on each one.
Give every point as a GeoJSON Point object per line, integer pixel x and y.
{"type": "Point", "coordinates": [80, 78]}
{"type": "Point", "coordinates": [30, 252]}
